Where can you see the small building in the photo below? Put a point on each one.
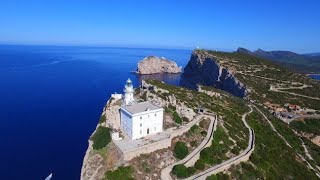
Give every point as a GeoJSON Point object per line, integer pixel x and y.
{"type": "Point", "coordinates": [139, 119]}
{"type": "Point", "coordinates": [294, 107]}
{"type": "Point", "coordinates": [116, 96]}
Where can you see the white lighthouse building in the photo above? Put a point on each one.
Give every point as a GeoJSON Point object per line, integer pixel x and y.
{"type": "Point", "coordinates": [139, 119]}
{"type": "Point", "coordinates": [128, 92]}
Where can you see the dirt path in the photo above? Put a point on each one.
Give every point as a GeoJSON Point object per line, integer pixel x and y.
{"type": "Point", "coordinates": [272, 88]}
{"type": "Point", "coordinates": [307, 153]}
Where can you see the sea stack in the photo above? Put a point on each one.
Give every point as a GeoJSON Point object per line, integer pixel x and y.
{"type": "Point", "coordinates": [154, 65]}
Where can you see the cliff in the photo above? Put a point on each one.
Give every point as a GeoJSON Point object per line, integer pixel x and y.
{"type": "Point", "coordinates": [154, 65]}
{"type": "Point", "coordinates": [206, 70]}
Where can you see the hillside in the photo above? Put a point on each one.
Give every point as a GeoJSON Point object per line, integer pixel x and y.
{"type": "Point", "coordinates": [220, 127]}
{"type": "Point", "coordinates": [242, 72]}
{"type": "Point", "coordinates": [287, 95]}
{"type": "Point", "coordinates": [304, 63]}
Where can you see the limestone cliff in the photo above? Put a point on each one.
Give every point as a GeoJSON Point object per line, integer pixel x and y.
{"type": "Point", "coordinates": [153, 65]}
{"type": "Point", "coordinates": [206, 70]}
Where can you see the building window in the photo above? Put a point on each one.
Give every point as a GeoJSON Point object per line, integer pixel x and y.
{"type": "Point", "coordinates": [155, 114]}
{"type": "Point", "coordinates": [140, 131]}
{"type": "Point", "coordinates": [140, 124]}
{"type": "Point", "coordinates": [148, 116]}
{"type": "Point", "coordinates": [140, 117]}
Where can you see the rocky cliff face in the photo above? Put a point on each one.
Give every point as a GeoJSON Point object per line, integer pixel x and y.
{"type": "Point", "coordinates": [207, 71]}
{"type": "Point", "coordinates": [153, 65]}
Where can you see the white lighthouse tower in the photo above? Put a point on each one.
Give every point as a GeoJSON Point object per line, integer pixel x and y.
{"type": "Point", "coordinates": [128, 92]}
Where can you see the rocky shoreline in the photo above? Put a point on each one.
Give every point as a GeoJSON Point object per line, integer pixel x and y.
{"type": "Point", "coordinates": [94, 165]}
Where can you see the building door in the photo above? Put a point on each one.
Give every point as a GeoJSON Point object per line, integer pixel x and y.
{"type": "Point", "coordinates": [148, 131]}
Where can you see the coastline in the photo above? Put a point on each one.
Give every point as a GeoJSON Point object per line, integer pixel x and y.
{"type": "Point", "coordinates": [86, 157]}
{"type": "Point", "coordinates": [314, 76]}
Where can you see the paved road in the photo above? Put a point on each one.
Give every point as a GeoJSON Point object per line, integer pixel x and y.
{"type": "Point", "coordinates": [194, 155]}
{"type": "Point", "coordinates": [244, 156]}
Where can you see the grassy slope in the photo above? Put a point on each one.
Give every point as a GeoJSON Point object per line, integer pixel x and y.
{"type": "Point", "coordinates": [272, 159]}
{"type": "Point", "coordinates": [268, 69]}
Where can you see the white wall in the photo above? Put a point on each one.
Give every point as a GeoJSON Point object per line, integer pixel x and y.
{"type": "Point", "coordinates": [131, 124]}
{"type": "Point", "coordinates": [148, 121]}
{"type": "Point", "coordinates": [126, 123]}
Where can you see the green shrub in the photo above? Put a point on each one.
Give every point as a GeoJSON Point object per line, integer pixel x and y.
{"type": "Point", "coordinates": [122, 173]}
{"type": "Point", "coordinates": [218, 176]}
{"type": "Point", "coordinates": [204, 133]}
{"type": "Point", "coordinates": [177, 118]}
{"type": "Point", "coordinates": [200, 164]}
{"type": "Point", "coordinates": [180, 150]}
{"type": "Point", "coordinates": [191, 170]}
{"type": "Point", "coordinates": [144, 96]}
{"type": "Point", "coordinates": [194, 128]}
{"type": "Point", "coordinates": [101, 137]}
{"type": "Point", "coordinates": [102, 119]}
{"type": "Point", "coordinates": [172, 107]}
{"type": "Point", "coordinates": [193, 143]}
{"type": "Point", "coordinates": [180, 170]}
{"type": "Point", "coordinates": [185, 119]}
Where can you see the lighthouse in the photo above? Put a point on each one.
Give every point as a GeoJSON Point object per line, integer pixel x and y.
{"type": "Point", "coordinates": [139, 119]}
{"type": "Point", "coordinates": [128, 92]}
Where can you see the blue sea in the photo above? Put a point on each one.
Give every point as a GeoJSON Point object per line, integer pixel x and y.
{"type": "Point", "coordinates": [315, 76]}
{"type": "Point", "coordinates": [51, 98]}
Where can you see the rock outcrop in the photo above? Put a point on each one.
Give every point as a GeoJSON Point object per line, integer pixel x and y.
{"type": "Point", "coordinates": [154, 65]}
{"type": "Point", "coordinates": [205, 70]}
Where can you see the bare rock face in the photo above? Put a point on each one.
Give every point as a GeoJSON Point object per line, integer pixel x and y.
{"type": "Point", "coordinates": [154, 65]}
{"type": "Point", "coordinates": [316, 140]}
{"type": "Point", "coordinates": [205, 70]}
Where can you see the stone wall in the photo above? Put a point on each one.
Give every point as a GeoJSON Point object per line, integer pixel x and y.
{"type": "Point", "coordinates": [146, 149]}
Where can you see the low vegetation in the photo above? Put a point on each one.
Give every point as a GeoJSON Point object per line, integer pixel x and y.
{"type": "Point", "coordinates": [271, 159]}
{"type": "Point", "coordinates": [181, 171]}
{"type": "Point", "coordinates": [308, 125]}
{"type": "Point", "coordinates": [314, 151]}
{"type": "Point", "coordinates": [216, 153]}
{"type": "Point", "coordinates": [258, 74]}
{"type": "Point", "coordinates": [181, 150]}
{"type": "Point", "coordinates": [122, 173]}
{"type": "Point", "coordinates": [177, 118]}
{"type": "Point", "coordinates": [101, 137]}
{"type": "Point", "coordinates": [102, 119]}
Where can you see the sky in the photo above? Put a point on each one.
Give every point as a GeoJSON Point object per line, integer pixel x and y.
{"type": "Point", "coordinates": [213, 24]}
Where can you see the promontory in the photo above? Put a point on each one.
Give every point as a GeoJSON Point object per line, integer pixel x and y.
{"type": "Point", "coordinates": [154, 65]}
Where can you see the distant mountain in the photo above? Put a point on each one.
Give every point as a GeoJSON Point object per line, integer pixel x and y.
{"type": "Point", "coordinates": [313, 54]}
{"type": "Point", "coordinates": [304, 63]}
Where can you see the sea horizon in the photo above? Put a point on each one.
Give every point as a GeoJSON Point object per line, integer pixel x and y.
{"type": "Point", "coordinates": [52, 98]}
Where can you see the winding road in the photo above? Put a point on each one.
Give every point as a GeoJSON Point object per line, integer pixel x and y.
{"type": "Point", "coordinates": [244, 156]}
{"type": "Point", "coordinates": [272, 88]}
{"type": "Point", "coordinates": [195, 154]}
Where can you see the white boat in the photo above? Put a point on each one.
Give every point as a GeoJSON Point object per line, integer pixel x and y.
{"type": "Point", "coordinates": [49, 177]}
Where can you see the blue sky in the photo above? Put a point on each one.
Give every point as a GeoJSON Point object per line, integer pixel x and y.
{"type": "Point", "coordinates": [267, 24]}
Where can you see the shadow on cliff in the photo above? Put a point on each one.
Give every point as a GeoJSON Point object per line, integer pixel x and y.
{"type": "Point", "coordinates": [206, 71]}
